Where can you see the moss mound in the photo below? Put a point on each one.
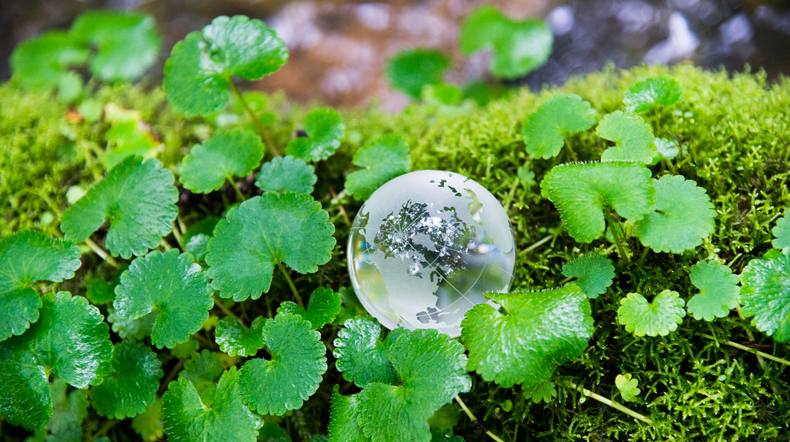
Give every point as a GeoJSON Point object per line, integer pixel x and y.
{"type": "Point", "coordinates": [735, 130]}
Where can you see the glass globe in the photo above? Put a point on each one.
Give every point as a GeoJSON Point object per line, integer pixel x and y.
{"type": "Point", "coordinates": [426, 247]}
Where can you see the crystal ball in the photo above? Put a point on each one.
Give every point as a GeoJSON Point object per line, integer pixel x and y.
{"type": "Point", "coordinates": [425, 247]}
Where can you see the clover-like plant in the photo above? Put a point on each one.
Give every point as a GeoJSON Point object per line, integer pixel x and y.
{"type": "Point", "coordinates": [132, 383]}
{"type": "Point", "coordinates": [243, 252]}
{"type": "Point", "coordinates": [383, 159]}
{"type": "Point", "coordinates": [529, 336]}
{"type": "Point", "coordinates": [682, 216]}
{"type": "Point", "coordinates": [410, 70]}
{"type": "Point", "coordinates": [542, 391]}
{"type": "Point", "coordinates": [628, 387]}
{"type": "Point", "coordinates": [719, 291]}
{"type": "Point", "coordinates": [139, 200]}
{"type": "Point", "coordinates": [27, 257]}
{"type": "Point", "coordinates": [42, 64]}
{"type": "Point", "coordinates": [431, 368]}
{"type": "Point", "coordinates": [559, 115]}
{"type": "Point", "coordinates": [70, 340]}
{"type": "Point", "coordinates": [324, 128]}
{"type": "Point", "coordinates": [584, 194]}
{"type": "Point", "coordinates": [226, 155]}
{"type": "Point", "coordinates": [170, 287]}
{"type": "Point", "coordinates": [645, 95]}
{"type": "Point", "coordinates": [782, 233]}
{"type": "Point", "coordinates": [202, 370]}
{"type": "Point", "coordinates": [322, 307]}
{"type": "Point", "coordinates": [286, 173]}
{"type": "Point", "coordinates": [519, 46]}
{"type": "Point", "coordinates": [633, 138]}
{"type": "Point", "coordinates": [594, 273]}
{"type": "Point", "coordinates": [235, 339]}
{"type": "Point", "coordinates": [657, 318]}
{"type": "Point", "coordinates": [362, 355]}
{"type": "Point", "coordinates": [765, 293]}
{"type": "Point", "coordinates": [199, 72]}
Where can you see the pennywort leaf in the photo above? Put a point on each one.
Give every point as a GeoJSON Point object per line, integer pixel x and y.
{"type": "Point", "coordinates": [27, 257]}
{"type": "Point", "coordinates": [68, 412]}
{"type": "Point", "coordinates": [41, 63]}
{"type": "Point", "coordinates": [519, 46]}
{"type": "Point", "coordinates": [202, 370]}
{"type": "Point", "coordinates": [683, 216]}
{"type": "Point", "coordinates": [581, 192]}
{"type": "Point", "coordinates": [187, 418]}
{"type": "Point", "coordinates": [230, 153]}
{"type": "Point", "coordinates": [361, 354]}
{"type": "Point", "coordinates": [782, 233]}
{"type": "Point", "coordinates": [148, 424]}
{"type": "Point", "coordinates": [628, 387]}
{"type": "Point", "coordinates": [200, 66]}
{"type": "Point", "coordinates": [294, 372]}
{"type": "Point", "coordinates": [70, 340]}
{"type": "Point", "coordinates": [196, 237]}
{"type": "Point", "coordinates": [559, 115]}
{"type": "Point", "coordinates": [323, 306]}
{"type": "Point", "coordinates": [537, 332]}
{"type": "Point", "coordinates": [645, 95]}
{"type": "Point", "coordinates": [408, 71]}
{"type": "Point", "coordinates": [765, 294]}
{"type": "Point", "coordinates": [594, 272]}
{"type": "Point", "coordinates": [132, 383]}
{"type": "Point", "coordinates": [325, 129]}
{"type": "Point", "coordinates": [236, 340]}
{"type": "Point", "coordinates": [243, 252]}
{"type": "Point", "coordinates": [719, 291]}
{"type": "Point", "coordinates": [287, 173]}
{"type": "Point", "coordinates": [633, 138]}
{"type": "Point", "coordinates": [542, 391]}
{"type": "Point", "coordinates": [657, 318]}
{"type": "Point", "coordinates": [665, 149]}
{"type": "Point", "coordinates": [139, 200]}
{"type": "Point", "coordinates": [382, 159]}
{"type": "Point", "coordinates": [126, 43]}
{"type": "Point", "coordinates": [343, 419]}
{"type": "Point", "coordinates": [171, 286]}
{"type": "Point", "coordinates": [128, 136]}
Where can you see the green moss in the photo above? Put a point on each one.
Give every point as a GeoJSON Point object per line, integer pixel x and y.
{"type": "Point", "coordinates": [736, 132]}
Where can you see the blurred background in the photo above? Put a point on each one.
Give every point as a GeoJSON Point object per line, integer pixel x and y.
{"type": "Point", "coordinates": [339, 48]}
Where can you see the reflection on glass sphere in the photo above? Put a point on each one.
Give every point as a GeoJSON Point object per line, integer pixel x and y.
{"type": "Point", "coordinates": [426, 247]}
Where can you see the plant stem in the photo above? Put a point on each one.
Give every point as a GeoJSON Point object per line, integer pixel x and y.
{"type": "Point", "coordinates": [165, 244]}
{"type": "Point", "coordinates": [474, 420]}
{"type": "Point", "coordinates": [760, 359]}
{"type": "Point", "coordinates": [753, 351]}
{"type": "Point", "coordinates": [236, 188]}
{"type": "Point", "coordinates": [616, 235]}
{"type": "Point", "coordinates": [261, 128]}
{"type": "Point", "coordinates": [611, 403]}
{"type": "Point", "coordinates": [538, 244]}
{"type": "Point", "coordinates": [340, 205]}
{"type": "Point", "coordinates": [171, 376]}
{"type": "Point", "coordinates": [225, 309]}
{"type": "Point", "coordinates": [291, 283]}
{"type": "Point", "coordinates": [510, 194]}
{"type": "Point", "coordinates": [177, 236]}
{"type": "Point", "coordinates": [102, 254]}
{"type": "Point", "coordinates": [104, 429]}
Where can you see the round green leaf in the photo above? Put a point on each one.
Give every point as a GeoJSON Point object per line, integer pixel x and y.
{"type": "Point", "coordinates": [382, 159]}
{"type": "Point", "coordinates": [41, 63]}
{"type": "Point", "coordinates": [294, 371]}
{"type": "Point", "coordinates": [408, 71]}
{"type": "Point", "coordinates": [170, 284]}
{"type": "Point", "coordinates": [199, 67]}
{"type": "Point", "coordinates": [325, 129]}
{"type": "Point", "coordinates": [538, 332]}
{"type": "Point", "coordinates": [580, 191]}
{"type": "Point", "coordinates": [132, 383]}
{"type": "Point", "coordinates": [127, 43]}
{"type": "Point", "coordinates": [343, 419]}
{"type": "Point", "coordinates": [782, 233]}
{"type": "Point", "coordinates": [70, 339]}
{"type": "Point", "coordinates": [323, 306]}
{"type": "Point", "coordinates": [243, 252]}
{"type": "Point", "coordinates": [187, 419]}
{"type": "Point", "coordinates": [235, 340]}
{"type": "Point", "coordinates": [26, 257]}
{"type": "Point", "coordinates": [559, 115]}
{"type": "Point", "coordinates": [657, 318]}
{"type": "Point", "coordinates": [361, 355]}
{"type": "Point", "coordinates": [594, 272]}
{"type": "Point", "coordinates": [286, 174]}
{"type": "Point", "coordinates": [543, 391]}
{"type": "Point", "coordinates": [719, 291]}
{"type": "Point", "coordinates": [645, 95]}
{"type": "Point", "coordinates": [627, 386]}
{"type": "Point", "coordinates": [229, 153]}
{"type": "Point", "coordinates": [765, 294]}
{"type": "Point", "coordinates": [683, 217]}
{"type": "Point", "coordinates": [138, 197]}
{"type": "Point", "coordinates": [633, 137]}
{"type": "Point", "coordinates": [202, 370]}
{"type": "Point", "coordinates": [148, 424]}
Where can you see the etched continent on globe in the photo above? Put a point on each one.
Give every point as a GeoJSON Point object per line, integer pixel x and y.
{"type": "Point", "coordinates": [426, 247]}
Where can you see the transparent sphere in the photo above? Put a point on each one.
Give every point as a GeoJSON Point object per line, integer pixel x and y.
{"type": "Point", "coordinates": [426, 247]}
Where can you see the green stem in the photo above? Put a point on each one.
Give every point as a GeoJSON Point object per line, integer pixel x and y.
{"type": "Point", "coordinates": [236, 188]}
{"type": "Point", "coordinates": [757, 353]}
{"type": "Point", "coordinates": [177, 236]}
{"type": "Point", "coordinates": [616, 235]}
{"type": "Point", "coordinates": [261, 128]}
{"type": "Point", "coordinates": [291, 284]}
{"type": "Point", "coordinates": [611, 403]}
{"type": "Point", "coordinates": [104, 429]}
{"type": "Point", "coordinates": [539, 243]}
{"type": "Point", "coordinates": [225, 309]}
{"type": "Point", "coordinates": [474, 419]}
{"type": "Point", "coordinates": [339, 204]}
{"type": "Point", "coordinates": [510, 194]}
{"type": "Point", "coordinates": [760, 359]}
{"type": "Point", "coordinates": [102, 254]}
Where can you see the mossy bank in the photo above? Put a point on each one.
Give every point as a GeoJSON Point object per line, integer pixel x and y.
{"type": "Point", "coordinates": [734, 133]}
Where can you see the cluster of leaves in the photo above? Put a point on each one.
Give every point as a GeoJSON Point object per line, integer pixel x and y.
{"type": "Point", "coordinates": [115, 46]}
{"type": "Point", "coordinates": [519, 47]}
